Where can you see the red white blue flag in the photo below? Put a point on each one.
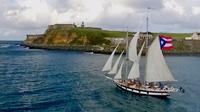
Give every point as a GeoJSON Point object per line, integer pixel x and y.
{"type": "Point", "coordinates": [165, 42]}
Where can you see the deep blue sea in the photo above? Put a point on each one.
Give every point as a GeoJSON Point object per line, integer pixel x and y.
{"type": "Point", "coordinates": [33, 80]}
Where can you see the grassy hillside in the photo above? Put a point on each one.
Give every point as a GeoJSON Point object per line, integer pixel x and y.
{"type": "Point", "coordinates": [78, 36]}
{"type": "Point", "coordinates": [86, 36]}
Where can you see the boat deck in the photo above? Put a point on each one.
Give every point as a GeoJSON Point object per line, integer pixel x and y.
{"type": "Point", "coordinates": [146, 87]}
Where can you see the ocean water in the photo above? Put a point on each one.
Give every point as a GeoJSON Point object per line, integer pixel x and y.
{"type": "Point", "coordinates": [33, 80]}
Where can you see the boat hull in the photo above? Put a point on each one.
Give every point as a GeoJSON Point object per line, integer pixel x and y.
{"type": "Point", "coordinates": [143, 92]}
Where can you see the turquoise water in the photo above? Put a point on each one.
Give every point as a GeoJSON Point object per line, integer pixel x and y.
{"type": "Point", "coordinates": [49, 81]}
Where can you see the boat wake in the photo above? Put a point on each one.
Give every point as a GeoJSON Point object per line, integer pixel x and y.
{"type": "Point", "coordinates": [108, 77]}
{"type": "Point", "coordinates": [89, 52]}
{"type": "Point", "coordinates": [5, 45]}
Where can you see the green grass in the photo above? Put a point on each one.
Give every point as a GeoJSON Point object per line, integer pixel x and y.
{"type": "Point", "coordinates": [98, 32]}
{"type": "Point", "coordinates": [175, 35]}
{"type": "Point", "coordinates": [55, 32]}
{"type": "Point", "coordinates": [116, 34]}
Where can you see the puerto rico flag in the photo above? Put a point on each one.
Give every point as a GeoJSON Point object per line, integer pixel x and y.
{"type": "Point", "coordinates": [165, 42]}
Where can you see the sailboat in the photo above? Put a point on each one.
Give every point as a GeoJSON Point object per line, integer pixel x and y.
{"type": "Point", "coordinates": [157, 77]}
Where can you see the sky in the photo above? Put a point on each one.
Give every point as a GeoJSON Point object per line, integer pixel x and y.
{"type": "Point", "coordinates": [21, 17]}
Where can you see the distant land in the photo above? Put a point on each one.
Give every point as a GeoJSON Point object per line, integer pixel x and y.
{"type": "Point", "coordinates": [93, 39]}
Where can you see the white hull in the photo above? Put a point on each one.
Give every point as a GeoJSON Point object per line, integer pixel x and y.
{"type": "Point", "coordinates": [158, 93]}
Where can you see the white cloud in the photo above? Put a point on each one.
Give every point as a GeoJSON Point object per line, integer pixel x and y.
{"type": "Point", "coordinates": [118, 9]}
{"type": "Point", "coordinates": [174, 6]}
{"type": "Point", "coordinates": [196, 10]}
{"type": "Point", "coordinates": [20, 17]}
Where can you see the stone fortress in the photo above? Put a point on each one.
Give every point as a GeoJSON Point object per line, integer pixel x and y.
{"type": "Point", "coordinates": [59, 26]}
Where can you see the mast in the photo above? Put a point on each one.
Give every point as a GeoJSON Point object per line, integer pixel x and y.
{"type": "Point", "coordinates": [126, 73]}
{"type": "Point", "coordinates": [134, 57]}
{"type": "Point", "coordinates": [147, 26]}
{"type": "Point", "coordinates": [147, 20]}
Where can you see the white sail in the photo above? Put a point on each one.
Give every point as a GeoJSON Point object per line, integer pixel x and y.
{"type": "Point", "coordinates": [119, 73]}
{"type": "Point", "coordinates": [140, 53]}
{"type": "Point", "coordinates": [156, 68]}
{"type": "Point", "coordinates": [135, 71]}
{"type": "Point", "coordinates": [115, 67]}
{"type": "Point", "coordinates": [108, 65]}
{"type": "Point", "coordinates": [132, 51]}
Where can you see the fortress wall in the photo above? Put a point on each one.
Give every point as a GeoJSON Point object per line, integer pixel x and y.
{"type": "Point", "coordinates": [64, 26]}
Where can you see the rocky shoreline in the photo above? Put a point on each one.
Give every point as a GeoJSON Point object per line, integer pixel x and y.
{"type": "Point", "coordinates": [101, 50]}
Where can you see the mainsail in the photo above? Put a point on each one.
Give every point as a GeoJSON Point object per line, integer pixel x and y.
{"type": "Point", "coordinates": [135, 71]}
{"type": "Point", "coordinates": [156, 68]}
{"type": "Point", "coordinates": [115, 67]}
{"type": "Point", "coordinates": [132, 51]}
{"type": "Point", "coordinates": [119, 73]}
